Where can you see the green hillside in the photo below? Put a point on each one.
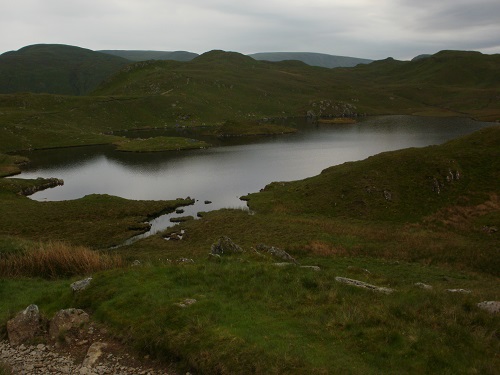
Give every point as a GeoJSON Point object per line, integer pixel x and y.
{"type": "Point", "coordinates": [219, 86]}
{"type": "Point", "coordinates": [380, 221]}
{"type": "Point", "coordinates": [56, 69]}
{"type": "Point", "coordinates": [135, 55]}
{"type": "Point", "coordinates": [420, 223]}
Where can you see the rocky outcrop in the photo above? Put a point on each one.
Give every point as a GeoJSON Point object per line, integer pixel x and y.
{"type": "Point", "coordinates": [67, 321]}
{"type": "Point", "coordinates": [490, 306]}
{"type": "Point", "coordinates": [362, 284]}
{"type": "Point", "coordinates": [225, 246]}
{"type": "Point", "coordinates": [276, 252]}
{"type": "Point", "coordinates": [80, 285]}
{"type": "Point", "coordinates": [331, 108]}
{"type": "Point", "coordinates": [24, 326]}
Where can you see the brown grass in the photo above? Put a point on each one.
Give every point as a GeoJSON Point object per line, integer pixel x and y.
{"type": "Point", "coordinates": [325, 249]}
{"type": "Point", "coordinates": [56, 259]}
{"type": "Point", "coordinates": [460, 217]}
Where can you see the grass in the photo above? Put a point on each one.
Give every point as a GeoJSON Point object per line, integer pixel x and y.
{"type": "Point", "coordinates": [157, 144]}
{"type": "Point", "coordinates": [98, 221]}
{"type": "Point", "coordinates": [236, 129]}
{"type": "Point", "coordinates": [4, 369]}
{"type": "Point", "coordinates": [218, 86]}
{"type": "Point", "coordinates": [54, 260]}
{"type": "Point", "coordinates": [381, 220]}
{"type": "Point", "coordinates": [265, 319]}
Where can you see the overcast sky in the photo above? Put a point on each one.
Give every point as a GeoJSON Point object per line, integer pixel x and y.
{"type": "Point", "coordinates": [372, 29]}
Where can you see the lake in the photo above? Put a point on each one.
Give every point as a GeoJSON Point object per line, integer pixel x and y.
{"type": "Point", "coordinates": [236, 166]}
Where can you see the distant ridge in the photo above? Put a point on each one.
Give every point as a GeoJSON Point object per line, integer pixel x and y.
{"type": "Point", "coordinates": [55, 69]}
{"type": "Point", "coordinates": [311, 58]}
{"type": "Point", "coordinates": [138, 55]}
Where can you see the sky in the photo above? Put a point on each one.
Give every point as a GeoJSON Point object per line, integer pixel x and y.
{"type": "Point", "coordinates": [373, 29]}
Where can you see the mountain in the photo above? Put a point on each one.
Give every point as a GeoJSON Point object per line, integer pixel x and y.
{"type": "Point", "coordinates": [56, 69]}
{"type": "Point", "coordinates": [135, 55]}
{"type": "Point", "coordinates": [226, 85]}
{"type": "Point", "coordinates": [309, 58]}
{"type": "Point", "coordinates": [313, 59]}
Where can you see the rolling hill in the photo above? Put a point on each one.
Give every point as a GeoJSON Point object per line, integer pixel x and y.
{"type": "Point", "coordinates": [219, 86]}
{"type": "Point", "coordinates": [310, 58]}
{"type": "Point", "coordinates": [135, 55]}
{"type": "Point", "coordinates": [55, 69]}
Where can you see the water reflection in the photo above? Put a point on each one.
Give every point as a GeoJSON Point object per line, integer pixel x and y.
{"type": "Point", "coordinates": [237, 166]}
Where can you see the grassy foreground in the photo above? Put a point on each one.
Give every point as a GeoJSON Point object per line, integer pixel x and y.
{"type": "Point", "coordinates": [382, 220]}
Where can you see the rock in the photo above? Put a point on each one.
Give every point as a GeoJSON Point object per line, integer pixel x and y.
{"type": "Point", "coordinates": [361, 284]}
{"type": "Point", "coordinates": [184, 260]}
{"type": "Point", "coordinates": [67, 320]}
{"type": "Point", "coordinates": [276, 252]}
{"type": "Point", "coordinates": [283, 264]}
{"type": "Point", "coordinates": [24, 326]}
{"type": "Point", "coordinates": [187, 302]}
{"type": "Point", "coordinates": [208, 202]}
{"type": "Point", "coordinates": [136, 263]}
{"type": "Point", "coordinates": [423, 286]}
{"type": "Point", "coordinates": [81, 284]}
{"type": "Point", "coordinates": [93, 354]}
{"type": "Point", "coordinates": [225, 246]}
{"type": "Point", "coordinates": [490, 306]}
{"type": "Point", "coordinates": [489, 230]}
{"type": "Point", "coordinates": [387, 195]}
{"type": "Point", "coordinates": [464, 291]}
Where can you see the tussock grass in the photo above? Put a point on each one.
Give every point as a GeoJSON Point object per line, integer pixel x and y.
{"type": "Point", "coordinates": [54, 260]}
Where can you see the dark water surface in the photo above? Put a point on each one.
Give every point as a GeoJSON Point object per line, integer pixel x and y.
{"type": "Point", "coordinates": [236, 166]}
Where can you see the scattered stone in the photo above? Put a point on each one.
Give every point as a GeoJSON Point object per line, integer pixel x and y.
{"type": "Point", "coordinates": [187, 302]}
{"type": "Point", "coordinates": [464, 291]}
{"type": "Point", "coordinates": [28, 360]}
{"type": "Point", "coordinates": [283, 264]}
{"type": "Point", "coordinates": [489, 230]}
{"type": "Point", "coordinates": [184, 260]}
{"type": "Point", "coordinates": [67, 320]}
{"type": "Point", "coordinates": [361, 284]}
{"type": "Point", "coordinates": [490, 306]}
{"type": "Point", "coordinates": [276, 252]}
{"type": "Point", "coordinates": [80, 285]}
{"type": "Point", "coordinates": [225, 246]}
{"type": "Point", "coordinates": [93, 354]}
{"type": "Point", "coordinates": [24, 326]}
{"type": "Point", "coordinates": [423, 286]}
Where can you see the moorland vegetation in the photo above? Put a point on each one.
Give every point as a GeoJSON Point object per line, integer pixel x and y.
{"type": "Point", "coordinates": [398, 220]}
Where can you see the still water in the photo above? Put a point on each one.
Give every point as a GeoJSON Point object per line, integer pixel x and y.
{"type": "Point", "coordinates": [235, 166]}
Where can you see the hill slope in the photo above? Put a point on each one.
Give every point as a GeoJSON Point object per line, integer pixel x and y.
{"type": "Point", "coordinates": [310, 58]}
{"type": "Point", "coordinates": [219, 86]}
{"type": "Point", "coordinates": [55, 69]}
{"type": "Point", "coordinates": [137, 55]}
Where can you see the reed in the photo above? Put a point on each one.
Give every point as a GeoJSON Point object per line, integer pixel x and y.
{"type": "Point", "coordinates": [54, 260]}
